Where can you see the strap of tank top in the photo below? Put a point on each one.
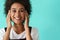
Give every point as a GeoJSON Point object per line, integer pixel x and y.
{"type": "Point", "coordinates": [29, 28]}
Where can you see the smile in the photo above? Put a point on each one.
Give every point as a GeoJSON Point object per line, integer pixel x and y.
{"type": "Point", "coordinates": [17, 18]}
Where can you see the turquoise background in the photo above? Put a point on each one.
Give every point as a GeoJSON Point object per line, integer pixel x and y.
{"type": "Point", "coordinates": [45, 17]}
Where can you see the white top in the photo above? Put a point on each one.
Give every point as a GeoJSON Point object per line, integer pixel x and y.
{"type": "Point", "coordinates": [14, 35]}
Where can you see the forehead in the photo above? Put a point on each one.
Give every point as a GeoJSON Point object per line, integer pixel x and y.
{"type": "Point", "coordinates": [17, 5]}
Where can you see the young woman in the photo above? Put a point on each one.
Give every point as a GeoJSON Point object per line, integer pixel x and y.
{"type": "Point", "coordinates": [18, 11]}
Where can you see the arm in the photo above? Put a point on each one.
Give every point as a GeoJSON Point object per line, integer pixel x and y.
{"type": "Point", "coordinates": [28, 35]}
{"type": "Point", "coordinates": [7, 33]}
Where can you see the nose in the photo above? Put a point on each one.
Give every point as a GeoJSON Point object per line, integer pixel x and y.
{"type": "Point", "coordinates": [18, 14]}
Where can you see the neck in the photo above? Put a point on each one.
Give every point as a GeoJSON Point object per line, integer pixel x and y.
{"type": "Point", "coordinates": [18, 28]}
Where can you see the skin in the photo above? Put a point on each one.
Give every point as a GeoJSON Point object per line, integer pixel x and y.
{"type": "Point", "coordinates": [17, 11]}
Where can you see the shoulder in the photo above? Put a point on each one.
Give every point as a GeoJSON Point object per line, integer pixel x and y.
{"type": "Point", "coordinates": [34, 33]}
{"type": "Point", "coordinates": [2, 30]}
{"type": "Point", "coordinates": [34, 29]}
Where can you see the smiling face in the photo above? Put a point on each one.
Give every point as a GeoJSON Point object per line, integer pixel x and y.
{"type": "Point", "coordinates": [17, 13]}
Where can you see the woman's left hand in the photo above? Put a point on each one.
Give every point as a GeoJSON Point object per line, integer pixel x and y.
{"type": "Point", "coordinates": [26, 24]}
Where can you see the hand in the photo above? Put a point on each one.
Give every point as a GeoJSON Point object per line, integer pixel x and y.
{"type": "Point", "coordinates": [28, 34]}
{"type": "Point", "coordinates": [26, 19]}
{"type": "Point", "coordinates": [7, 33]}
{"type": "Point", "coordinates": [8, 20]}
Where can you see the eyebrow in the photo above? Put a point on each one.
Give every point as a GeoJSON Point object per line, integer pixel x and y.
{"type": "Point", "coordinates": [19, 8]}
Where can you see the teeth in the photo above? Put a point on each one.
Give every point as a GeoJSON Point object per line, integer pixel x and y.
{"type": "Point", "coordinates": [17, 18]}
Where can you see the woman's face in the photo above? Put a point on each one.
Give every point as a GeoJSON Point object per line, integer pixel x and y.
{"type": "Point", "coordinates": [17, 13]}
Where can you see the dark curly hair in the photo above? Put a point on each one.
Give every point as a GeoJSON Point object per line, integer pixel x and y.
{"type": "Point", "coordinates": [25, 3]}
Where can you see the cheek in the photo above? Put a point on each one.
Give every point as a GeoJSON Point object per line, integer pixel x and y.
{"type": "Point", "coordinates": [23, 16]}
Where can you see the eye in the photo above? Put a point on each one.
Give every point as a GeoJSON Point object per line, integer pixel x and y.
{"type": "Point", "coordinates": [14, 11]}
{"type": "Point", "coordinates": [22, 10]}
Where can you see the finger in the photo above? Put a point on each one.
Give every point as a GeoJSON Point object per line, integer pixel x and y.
{"type": "Point", "coordinates": [8, 19]}
{"type": "Point", "coordinates": [8, 15]}
{"type": "Point", "coordinates": [26, 15]}
{"type": "Point", "coordinates": [26, 18]}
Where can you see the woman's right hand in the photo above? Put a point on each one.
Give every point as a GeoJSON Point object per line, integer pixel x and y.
{"type": "Point", "coordinates": [9, 26]}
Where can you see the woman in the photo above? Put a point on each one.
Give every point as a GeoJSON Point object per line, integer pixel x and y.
{"type": "Point", "coordinates": [18, 11]}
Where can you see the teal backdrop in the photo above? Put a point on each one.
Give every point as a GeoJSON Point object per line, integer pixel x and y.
{"type": "Point", "coordinates": [45, 16]}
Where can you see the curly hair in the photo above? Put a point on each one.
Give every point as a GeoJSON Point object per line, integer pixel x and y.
{"type": "Point", "coordinates": [25, 3]}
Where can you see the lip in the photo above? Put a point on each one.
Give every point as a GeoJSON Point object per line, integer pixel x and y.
{"type": "Point", "coordinates": [17, 18]}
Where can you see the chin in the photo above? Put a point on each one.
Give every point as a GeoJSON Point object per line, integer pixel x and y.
{"type": "Point", "coordinates": [19, 22]}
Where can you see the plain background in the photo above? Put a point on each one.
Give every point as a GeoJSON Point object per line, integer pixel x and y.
{"type": "Point", "coordinates": [45, 16]}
